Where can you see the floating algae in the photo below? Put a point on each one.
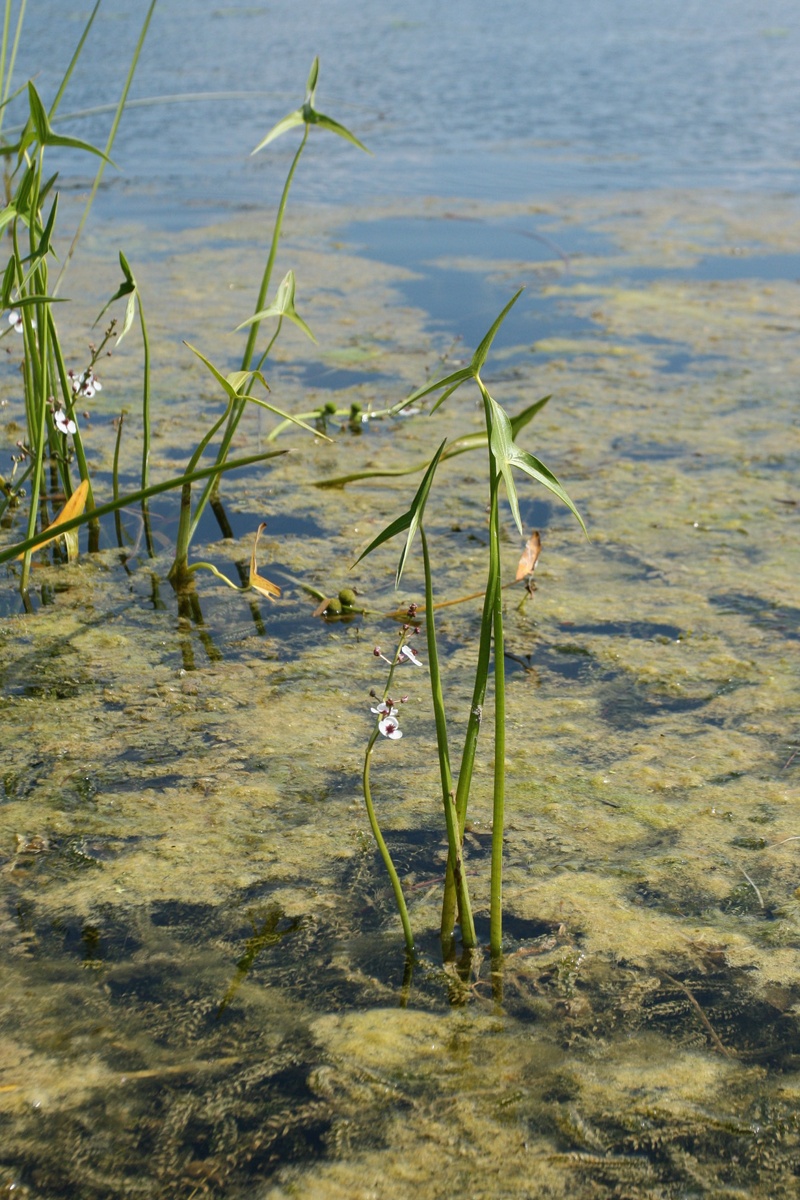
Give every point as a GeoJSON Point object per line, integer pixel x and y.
{"type": "Point", "coordinates": [204, 980]}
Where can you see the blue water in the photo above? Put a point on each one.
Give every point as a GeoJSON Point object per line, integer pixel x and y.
{"type": "Point", "coordinates": [513, 102]}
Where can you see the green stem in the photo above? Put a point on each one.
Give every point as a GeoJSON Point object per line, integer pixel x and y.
{"type": "Point", "coordinates": [498, 803]}
{"type": "Point", "coordinates": [383, 848]}
{"type": "Point", "coordinates": [115, 479]}
{"type": "Point", "coordinates": [145, 394]}
{"type": "Point", "coordinates": [41, 430]}
{"type": "Point", "coordinates": [185, 526]}
{"type": "Point", "coordinates": [454, 840]}
{"type": "Point", "coordinates": [69, 404]}
{"type": "Point", "coordinates": [73, 62]}
{"type": "Point", "coordinates": [109, 142]}
{"type": "Point", "coordinates": [7, 69]}
{"type": "Point", "coordinates": [482, 669]}
{"type": "Point", "coordinates": [236, 415]}
{"type": "Point", "coordinates": [155, 489]}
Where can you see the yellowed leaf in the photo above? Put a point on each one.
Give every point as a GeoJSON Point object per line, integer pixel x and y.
{"type": "Point", "coordinates": [530, 556]}
{"type": "Point", "coordinates": [261, 585]}
{"type": "Point", "coordinates": [73, 508]}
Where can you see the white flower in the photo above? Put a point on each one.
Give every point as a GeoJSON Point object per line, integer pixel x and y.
{"type": "Point", "coordinates": [63, 422]}
{"type": "Point", "coordinates": [85, 384]}
{"type": "Point", "coordinates": [408, 655]}
{"type": "Point", "coordinates": [15, 319]}
{"type": "Point", "coordinates": [385, 709]}
{"type": "Point", "coordinates": [389, 728]}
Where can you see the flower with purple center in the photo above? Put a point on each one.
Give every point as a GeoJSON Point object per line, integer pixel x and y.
{"type": "Point", "coordinates": [385, 709]}
{"type": "Point", "coordinates": [389, 728]}
{"type": "Point", "coordinates": [408, 655]}
{"type": "Point", "coordinates": [85, 384]}
{"type": "Point", "coordinates": [64, 423]}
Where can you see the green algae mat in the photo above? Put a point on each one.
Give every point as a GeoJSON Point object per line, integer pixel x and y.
{"type": "Point", "coordinates": [204, 990]}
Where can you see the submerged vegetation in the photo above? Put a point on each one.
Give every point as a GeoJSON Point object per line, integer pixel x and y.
{"type": "Point", "coordinates": [206, 988]}
{"type": "Point", "coordinates": [53, 448]}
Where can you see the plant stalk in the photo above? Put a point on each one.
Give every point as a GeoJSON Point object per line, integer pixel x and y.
{"type": "Point", "coordinates": [454, 836]}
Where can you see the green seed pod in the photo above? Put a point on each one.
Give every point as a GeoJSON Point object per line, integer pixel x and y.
{"type": "Point", "coordinates": [347, 597]}
{"type": "Point", "coordinates": [334, 608]}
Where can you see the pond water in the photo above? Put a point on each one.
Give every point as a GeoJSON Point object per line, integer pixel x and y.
{"type": "Point", "coordinates": [204, 989]}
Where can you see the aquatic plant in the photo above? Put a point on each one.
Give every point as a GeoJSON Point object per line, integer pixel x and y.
{"type": "Point", "coordinates": [51, 390]}
{"type": "Point", "coordinates": [53, 442]}
{"type": "Point", "coordinates": [504, 454]}
{"type": "Point", "coordinates": [283, 306]}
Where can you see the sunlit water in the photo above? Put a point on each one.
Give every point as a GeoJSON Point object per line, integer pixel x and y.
{"type": "Point", "coordinates": [204, 990]}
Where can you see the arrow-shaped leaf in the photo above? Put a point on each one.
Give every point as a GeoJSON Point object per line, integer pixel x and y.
{"type": "Point", "coordinates": [308, 115]}
{"type": "Point", "coordinates": [234, 394]}
{"type": "Point", "coordinates": [409, 521]}
{"type": "Point", "coordinates": [479, 357]}
{"type": "Point", "coordinates": [44, 132]}
{"type": "Point", "coordinates": [282, 306]}
{"type": "Point", "coordinates": [128, 288]}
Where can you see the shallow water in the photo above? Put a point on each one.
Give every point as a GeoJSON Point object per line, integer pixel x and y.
{"type": "Point", "coordinates": [204, 990]}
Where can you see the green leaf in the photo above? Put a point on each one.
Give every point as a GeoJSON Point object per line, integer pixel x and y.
{"type": "Point", "coordinates": [38, 111]}
{"type": "Point", "coordinates": [282, 306]}
{"type": "Point", "coordinates": [308, 115]}
{"type": "Point", "coordinates": [409, 521]}
{"type": "Point", "coordinates": [155, 489]}
{"type": "Point", "coordinates": [231, 391]}
{"type": "Point", "coordinates": [288, 122]}
{"type": "Point", "coordinates": [8, 214]}
{"type": "Point", "coordinates": [128, 288]}
{"type": "Point", "coordinates": [537, 470]}
{"type": "Point", "coordinates": [501, 443]}
{"type": "Point", "coordinates": [507, 454]}
{"type": "Point", "coordinates": [335, 127]}
{"type": "Point", "coordinates": [456, 378]}
{"type": "Point", "coordinates": [24, 301]}
{"type": "Point", "coordinates": [479, 357]}
{"type": "Point", "coordinates": [526, 416]}
{"type": "Point", "coordinates": [126, 271]}
{"type": "Point", "coordinates": [44, 246]}
{"type": "Point", "coordinates": [9, 278]}
{"type": "Point", "coordinates": [237, 380]}
{"type": "Point", "coordinates": [311, 82]}
{"type": "Point", "coordinates": [45, 134]}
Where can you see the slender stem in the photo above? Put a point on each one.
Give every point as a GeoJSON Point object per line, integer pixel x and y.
{"type": "Point", "coordinates": [252, 337]}
{"type": "Point", "coordinates": [115, 479]}
{"type": "Point", "coordinates": [185, 525]}
{"type": "Point", "coordinates": [9, 69]}
{"type": "Point", "coordinates": [73, 62]}
{"type": "Point", "coordinates": [482, 669]}
{"type": "Point", "coordinates": [383, 848]}
{"type": "Point", "coordinates": [454, 840]}
{"type": "Point", "coordinates": [69, 403]}
{"type": "Point", "coordinates": [41, 429]}
{"type": "Point", "coordinates": [270, 344]}
{"type": "Point", "coordinates": [145, 394]}
{"type": "Point", "coordinates": [249, 350]}
{"type": "Point", "coordinates": [109, 142]}
{"type": "Point", "coordinates": [155, 489]}
{"type": "Point", "coordinates": [498, 803]}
